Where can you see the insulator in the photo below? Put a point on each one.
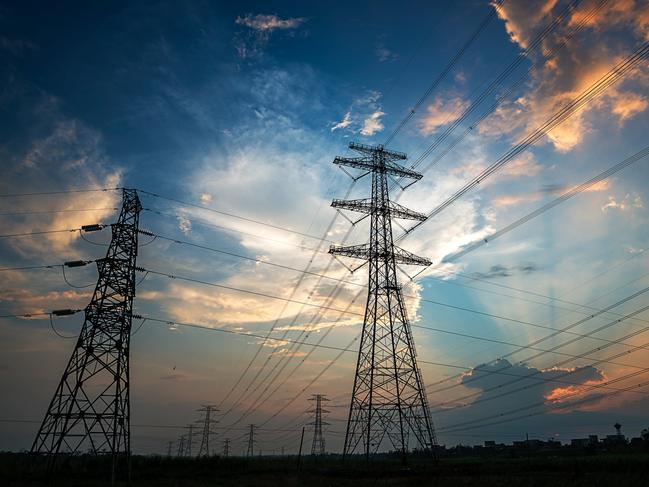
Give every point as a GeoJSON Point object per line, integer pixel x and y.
{"type": "Point", "coordinates": [64, 312]}
{"type": "Point", "coordinates": [76, 263]}
{"type": "Point", "coordinates": [92, 228]}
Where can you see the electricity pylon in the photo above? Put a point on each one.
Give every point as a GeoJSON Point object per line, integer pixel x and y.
{"type": "Point", "coordinates": [207, 421]}
{"type": "Point", "coordinates": [90, 410]}
{"type": "Point", "coordinates": [388, 400]}
{"type": "Point", "coordinates": [190, 440]}
{"type": "Point", "coordinates": [251, 441]}
{"type": "Point", "coordinates": [318, 445]}
{"type": "Point", "coordinates": [226, 447]}
{"type": "Point", "coordinates": [181, 446]}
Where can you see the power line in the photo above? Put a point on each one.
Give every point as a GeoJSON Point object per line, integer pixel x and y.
{"type": "Point", "coordinates": [247, 291]}
{"type": "Point", "coordinates": [232, 215]}
{"type": "Point", "coordinates": [206, 223]}
{"type": "Point", "coordinates": [47, 212]}
{"type": "Point", "coordinates": [555, 333]}
{"type": "Point", "coordinates": [611, 77]}
{"type": "Point", "coordinates": [574, 191]}
{"type": "Point", "coordinates": [493, 86]}
{"type": "Point", "coordinates": [454, 60]}
{"type": "Point", "coordinates": [69, 191]}
{"type": "Point", "coordinates": [347, 349]}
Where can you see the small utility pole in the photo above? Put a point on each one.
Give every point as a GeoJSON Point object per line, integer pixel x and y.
{"type": "Point", "coordinates": [170, 445]}
{"type": "Point", "coordinates": [299, 455]}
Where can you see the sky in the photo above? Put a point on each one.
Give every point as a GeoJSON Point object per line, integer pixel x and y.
{"type": "Point", "coordinates": [241, 107]}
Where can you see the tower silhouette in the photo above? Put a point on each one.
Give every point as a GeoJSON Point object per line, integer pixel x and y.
{"type": "Point", "coordinates": [388, 405]}
{"type": "Point", "coordinates": [181, 446]}
{"type": "Point", "coordinates": [318, 445]}
{"type": "Point", "coordinates": [190, 440]}
{"type": "Point", "coordinates": [90, 410]}
{"type": "Point", "coordinates": [207, 421]}
{"type": "Point", "coordinates": [251, 441]}
{"type": "Point", "coordinates": [226, 447]}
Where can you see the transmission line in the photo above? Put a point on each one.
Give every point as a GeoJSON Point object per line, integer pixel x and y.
{"type": "Point", "coordinates": [232, 288]}
{"type": "Point", "coordinates": [454, 60]}
{"type": "Point", "coordinates": [69, 191]}
{"type": "Point", "coordinates": [611, 77]}
{"type": "Point", "coordinates": [574, 191]}
{"type": "Point", "coordinates": [47, 212]}
{"type": "Point", "coordinates": [554, 334]}
{"type": "Point", "coordinates": [536, 42]}
{"type": "Point", "coordinates": [232, 215]}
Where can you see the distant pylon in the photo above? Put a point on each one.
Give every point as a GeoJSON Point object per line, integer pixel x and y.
{"type": "Point", "coordinates": [90, 410]}
{"type": "Point", "coordinates": [226, 447]}
{"type": "Point", "coordinates": [251, 441]}
{"type": "Point", "coordinates": [207, 409]}
{"type": "Point", "coordinates": [318, 445]}
{"type": "Point", "coordinates": [181, 446]}
{"type": "Point", "coordinates": [170, 445]}
{"type": "Point", "coordinates": [388, 398]}
{"type": "Point", "coordinates": [190, 440]}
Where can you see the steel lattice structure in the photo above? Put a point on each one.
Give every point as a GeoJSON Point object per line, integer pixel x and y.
{"type": "Point", "coordinates": [389, 406]}
{"type": "Point", "coordinates": [207, 422]}
{"type": "Point", "coordinates": [90, 410]}
{"type": "Point", "coordinates": [318, 445]}
{"type": "Point", "coordinates": [251, 442]}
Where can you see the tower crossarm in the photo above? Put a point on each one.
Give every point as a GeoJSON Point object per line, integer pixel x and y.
{"type": "Point", "coordinates": [371, 150]}
{"type": "Point", "coordinates": [407, 258]}
{"type": "Point", "coordinates": [377, 164]}
{"type": "Point", "coordinates": [365, 205]}
{"type": "Point", "coordinates": [356, 251]}
{"type": "Point", "coordinates": [363, 251]}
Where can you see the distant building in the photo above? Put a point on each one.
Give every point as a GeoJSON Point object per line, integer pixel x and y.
{"type": "Point", "coordinates": [580, 442]}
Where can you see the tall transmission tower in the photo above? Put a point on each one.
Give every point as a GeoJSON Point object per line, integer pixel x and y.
{"type": "Point", "coordinates": [226, 447]}
{"type": "Point", "coordinates": [388, 400]}
{"type": "Point", "coordinates": [318, 445]}
{"type": "Point", "coordinates": [207, 410]}
{"type": "Point", "coordinates": [90, 410]}
{"type": "Point", "coordinates": [251, 441]}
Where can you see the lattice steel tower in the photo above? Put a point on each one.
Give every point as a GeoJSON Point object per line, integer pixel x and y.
{"type": "Point", "coordinates": [251, 441]}
{"type": "Point", "coordinates": [389, 405]}
{"type": "Point", "coordinates": [318, 445]}
{"type": "Point", "coordinates": [207, 421]}
{"type": "Point", "coordinates": [90, 410]}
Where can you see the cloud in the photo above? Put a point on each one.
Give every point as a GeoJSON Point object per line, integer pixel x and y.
{"type": "Point", "coordinates": [625, 204]}
{"type": "Point", "coordinates": [344, 123]}
{"type": "Point", "coordinates": [564, 73]}
{"type": "Point", "coordinates": [268, 23]}
{"type": "Point", "coordinates": [184, 224]}
{"type": "Point", "coordinates": [442, 111]}
{"type": "Point", "coordinates": [372, 124]}
{"type": "Point", "coordinates": [506, 271]}
{"type": "Point", "coordinates": [520, 16]}
{"type": "Point", "coordinates": [252, 43]}
{"type": "Point", "coordinates": [503, 386]}
{"type": "Point", "coordinates": [66, 154]}
{"type": "Point", "coordinates": [627, 104]}
{"type": "Point", "coordinates": [382, 53]}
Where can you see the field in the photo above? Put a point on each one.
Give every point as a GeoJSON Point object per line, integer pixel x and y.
{"type": "Point", "coordinates": [596, 470]}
